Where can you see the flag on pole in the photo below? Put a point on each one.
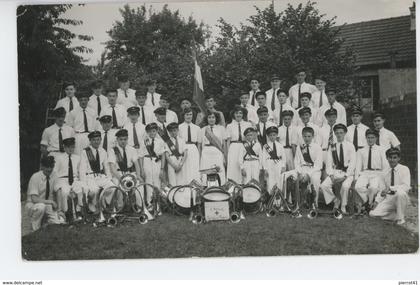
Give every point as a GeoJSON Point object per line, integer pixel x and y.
{"type": "Point", "coordinates": [198, 92]}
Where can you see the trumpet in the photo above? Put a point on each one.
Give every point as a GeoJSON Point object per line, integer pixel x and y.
{"type": "Point", "coordinates": [235, 216]}
{"type": "Point", "coordinates": [313, 213]}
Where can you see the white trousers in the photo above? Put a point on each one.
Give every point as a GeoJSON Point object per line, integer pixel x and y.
{"type": "Point", "coordinates": [39, 211]}
{"type": "Point", "coordinates": [327, 190]}
{"type": "Point", "coordinates": [290, 162]}
{"type": "Point", "coordinates": [176, 178]}
{"type": "Point", "coordinates": [275, 176]}
{"type": "Point", "coordinates": [63, 190]}
{"type": "Point", "coordinates": [392, 207]}
{"type": "Point", "coordinates": [92, 185]}
{"type": "Point", "coordinates": [252, 170]}
{"type": "Point", "coordinates": [152, 172]}
{"type": "Point", "coordinates": [369, 184]}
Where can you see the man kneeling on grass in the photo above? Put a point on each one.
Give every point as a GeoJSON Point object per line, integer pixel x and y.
{"type": "Point", "coordinates": [391, 203]}
{"type": "Point", "coordinates": [40, 204]}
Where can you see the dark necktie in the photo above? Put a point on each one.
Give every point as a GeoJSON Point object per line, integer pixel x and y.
{"type": "Point", "coordinates": [392, 176]}
{"type": "Point", "coordinates": [99, 105]}
{"type": "Point", "coordinates": [264, 133]}
{"type": "Point", "coordinates": [153, 98]}
{"type": "Point", "coordinates": [125, 162]}
{"type": "Point", "coordinates": [280, 115]}
{"type": "Point", "coordinates": [299, 104]}
{"type": "Point", "coordinates": [85, 122]}
{"type": "Point", "coordinates": [70, 174]}
{"type": "Point", "coordinates": [105, 143]}
{"type": "Point", "coordinates": [47, 188]}
{"type": "Point", "coordinates": [143, 118]}
{"type": "Point", "coordinates": [71, 104]}
{"type": "Point", "coordinates": [152, 145]}
{"type": "Point", "coordinates": [275, 150]}
{"type": "Point", "coordinates": [273, 98]}
{"type": "Point", "coordinates": [287, 137]}
{"type": "Point", "coordinates": [253, 99]}
{"type": "Point", "coordinates": [239, 132]}
{"type": "Point", "coordinates": [341, 155]}
{"type": "Point", "coordinates": [211, 129]}
{"type": "Point", "coordinates": [369, 166]}
{"type": "Point", "coordinates": [330, 137]}
{"type": "Point", "coordinates": [135, 138]}
{"type": "Point", "coordinates": [189, 134]}
{"type": "Point", "coordinates": [165, 131]}
{"type": "Point", "coordinates": [114, 119]}
{"type": "Point", "coordinates": [356, 139]}
{"type": "Point", "coordinates": [97, 163]}
{"type": "Point", "coordinates": [60, 140]}
{"type": "Point", "coordinates": [176, 144]}
{"type": "Point", "coordinates": [320, 98]}
{"type": "Point", "coordinates": [125, 93]}
{"type": "Point", "coordinates": [377, 140]}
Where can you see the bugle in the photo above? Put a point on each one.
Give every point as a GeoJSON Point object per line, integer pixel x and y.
{"type": "Point", "coordinates": [236, 216]}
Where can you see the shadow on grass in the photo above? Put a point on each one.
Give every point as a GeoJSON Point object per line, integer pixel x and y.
{"type": "Point", "coordinates": [174, 237]}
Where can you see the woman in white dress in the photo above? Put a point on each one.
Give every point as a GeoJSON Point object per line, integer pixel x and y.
{"type": "Point", "coordinates": [213, 137]}
{"type": "Point", "coordinates": [190, 133]}
{"type": "Point", "coordinates": [235, 136]}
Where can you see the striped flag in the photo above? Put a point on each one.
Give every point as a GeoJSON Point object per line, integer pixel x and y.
{"type": "Point", "coordinates": [198, 92]}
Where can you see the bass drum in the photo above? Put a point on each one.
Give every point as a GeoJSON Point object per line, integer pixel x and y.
{"type": "Point", "coordinates": [252, 198]}
{"type": "Point", "coordinates": [215, 194]}
{"type": "Point", "coordinates": [182, 199]}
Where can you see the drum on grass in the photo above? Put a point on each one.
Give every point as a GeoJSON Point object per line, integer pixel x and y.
{"type": "Point", "coordinates": [216, 194]}
{"type": "Point", "coordinates": [252, 198]}
{"type": "Point", "coordinates": [182, 199]}
{"type": "Point", "coordinates": [217, 204]}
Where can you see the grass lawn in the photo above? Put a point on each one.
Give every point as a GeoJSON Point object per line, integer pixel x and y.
{"type": "Point", "coordinates": [172, 236]}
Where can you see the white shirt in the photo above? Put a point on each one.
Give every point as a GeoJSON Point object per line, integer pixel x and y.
{"type": "Point", "coordinates": [252, 115]}
{"type": "Point", "coordinates": [65, 103]}
{"type": "Point", "coordinates": [76, 120]}
{"type": "Point", "coordinates": [218, 130]}
{"type": "Point", "coordinates": [315, 153]}
{"type": "Point", "coordinates": [50, 136]}
{"type": "Point", "coordinates": [260, 127]}
{"type": "Point", "coordinates": [378, 159]}
{"type": "Point", "coordinates": [194, 130]}
{"type": "Point", "coordinates": [62, 165]}
{"type": "Point", "coordinates": [111, 138]}
{"type": "Point", "coordinates": [286, 107]}
{"type": "Point", "coordinates": [171, 117]}
{"type": "Point", "coordinates": [93, 103]}
{"type": "Point", "coordinates": [341, 113]}
{"type": "Point", "coordinates": [244, 156]}
{"type": "Point", "coordinates": [38, 185]}
{"type": "Point", "coordinates": [294, 92]}
{"type": "Point", "coordinates": [265, 156]}
{"type": "Point", "coordinates": [349, 155]}
{"type": "Point", "coordinates": [128, 101]}
{"type": "Point", "coordinates": [269, 97]}
{"type": "Point", "coordinates": [270, 113]}
{"type": "Point", "coordinates": [388, 139]}
{"type": "Point", "coordinates": [361, 134]}
{"type": "Point", "coordinates": [325, 136]}
{"type": "Point", "coordinates": [314, 116]}
{"type": "Point", "coordinates": [140, 130]}
{"type": "Point", "coordinates": [149, 115]}
{"type": "Point", "coordinates": [131, 156]}
{"type": "Point", "coordinates": [120, 112]}
{"type": "Point", "coordinates": [159, 146]}
{"type": "Point", "coordinates": [85, 168]}
{"type": "Point", "coordinates": [402, 178]}
{"type": "Point", "coordinates": [232, 129]}
{"type": "Point", "coordinates": [316, 96]}
{"type": "Point", "coordinates": [156, 99]}
{"type": "Point", "coordinates": [317, 135]}
{"type": "Point", "coordinates": [251, 94]}
{"type": "Point", "coordinates": [293, 136]}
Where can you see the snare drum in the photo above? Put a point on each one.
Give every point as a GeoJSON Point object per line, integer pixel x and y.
{"type": "Point", "coordinates": [252, 198]}
{"type": "Point", "coordinates": [215, 194]}
{"type": "Point", "coordinates": [182, 198]}
{"type": "Point", "coordinates": [217, 204]}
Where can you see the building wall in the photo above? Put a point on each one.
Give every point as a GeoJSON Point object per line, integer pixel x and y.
{"type": "Point", "coordinates": [396, 83]}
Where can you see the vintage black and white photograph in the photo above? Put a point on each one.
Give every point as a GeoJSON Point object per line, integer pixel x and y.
{"type": "Point", "coordinates": [217, 129]}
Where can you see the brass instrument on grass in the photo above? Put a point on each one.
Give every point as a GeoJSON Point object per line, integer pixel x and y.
{"type": "Point", "coordinates": [128, 182]}
{"type": "Point", "coordinates": [270, 210]}
{"type": "Point", "coordinates": [235, 216]}
{"type": "Point", "coordinates": [313, 213]}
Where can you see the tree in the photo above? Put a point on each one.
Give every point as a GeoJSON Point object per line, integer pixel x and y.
{"type": "Point", "coordinates": [45, 59]}
{"type": "Point", "coordinates": [278, 43]}
{"type": "Point", "coordinates": [154, 45]}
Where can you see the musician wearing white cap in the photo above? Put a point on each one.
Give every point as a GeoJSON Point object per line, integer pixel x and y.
{"type": "Point", "coordinates": [370, 163]}
{"type": "Point", "coordinates": [340, 166]}
{"type": "Point", "coordinates": [94, 170]}
{"type": "Point", "coordinates": [40, 203]}
{"type": "Point", "coordinates": [391, 203]}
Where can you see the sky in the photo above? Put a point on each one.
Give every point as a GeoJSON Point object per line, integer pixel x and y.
{"type": "Point", "coordinates": [98, 18]}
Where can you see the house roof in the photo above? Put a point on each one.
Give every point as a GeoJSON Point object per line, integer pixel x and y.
{"type": "Point", "coordinates": [373, 41]}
